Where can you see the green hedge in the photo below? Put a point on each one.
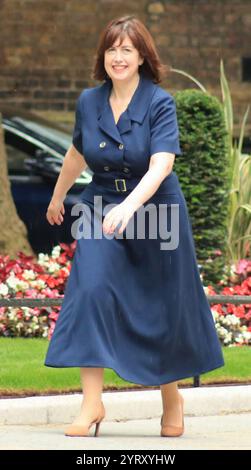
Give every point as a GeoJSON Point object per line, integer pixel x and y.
{"type": "Point", "coordinates": [204, 176]}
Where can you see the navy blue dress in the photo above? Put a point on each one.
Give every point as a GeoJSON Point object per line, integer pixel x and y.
{"type": "Point", "coordinates": [133, 304]}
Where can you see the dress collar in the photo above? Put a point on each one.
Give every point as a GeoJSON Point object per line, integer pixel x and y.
{"type": "Point", "coordinates": [135, 111]}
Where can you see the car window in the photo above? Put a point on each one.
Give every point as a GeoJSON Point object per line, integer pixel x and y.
{"type": "Point", "coordinates": [49, 133]}
{"type": "Point", "coordinates": [15, 160]}
{"type": "Point", "coordinates": [17, 151]}
{"type": "Point", "coordinates": [19, 148]}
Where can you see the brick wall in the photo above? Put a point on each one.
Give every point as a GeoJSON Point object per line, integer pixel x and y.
{"type": "Point", "coordinates": [47, 46]}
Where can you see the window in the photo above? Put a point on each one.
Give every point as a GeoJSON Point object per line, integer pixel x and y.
{"type": "Point", "coordinates": [246, 69]}
{"type": "Point", "coordinates": [18, 150]}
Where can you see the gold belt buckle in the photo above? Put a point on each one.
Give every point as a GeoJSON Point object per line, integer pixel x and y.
{"type": "Point", "coordinates": [124, 184]}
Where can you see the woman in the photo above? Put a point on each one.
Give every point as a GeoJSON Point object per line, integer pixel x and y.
{"type": "Point", "coordinates": [133, 304]}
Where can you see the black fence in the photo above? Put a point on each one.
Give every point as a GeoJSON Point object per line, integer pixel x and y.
{"type": "Point", "coordinates": [28, 302]}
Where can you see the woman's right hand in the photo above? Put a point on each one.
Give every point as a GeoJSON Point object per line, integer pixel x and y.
{"type": "Point", "coordinates": [55, 212]}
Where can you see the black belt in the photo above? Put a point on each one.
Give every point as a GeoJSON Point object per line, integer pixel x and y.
{"type": "Point", "coordinates": [118, 184]}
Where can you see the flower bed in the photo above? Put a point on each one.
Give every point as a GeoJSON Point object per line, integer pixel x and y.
{"type": "Point", "coordinates": [233, 322]}
{"type": "Point", "coordinates": [46, 276]}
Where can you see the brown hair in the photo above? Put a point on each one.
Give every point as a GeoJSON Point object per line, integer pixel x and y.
{"type": "Point", "coordinates": [141, 39]}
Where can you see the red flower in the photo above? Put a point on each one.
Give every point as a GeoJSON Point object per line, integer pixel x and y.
{"type": "Point", "coordinates": [217, 308]}
{"type": "Point", "coordinates": [54, 316]}
{"type": "Point", "coordinates": [51, 330]}
{"type": "Point", "coordinates": [20, 314]}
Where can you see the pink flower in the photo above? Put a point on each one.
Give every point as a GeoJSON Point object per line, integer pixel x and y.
{"type": "Point", "coordinates": [217, 252]}
{"type": "Point", "coordinates": [242, 266]}
{"type": "Point", "coordinates": [32, 293]}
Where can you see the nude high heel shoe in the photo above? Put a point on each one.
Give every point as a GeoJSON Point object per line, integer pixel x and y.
{"type": "Point", "coordinates": [76, 430]}
{"type": "Point", "coordinates": [169, 430]}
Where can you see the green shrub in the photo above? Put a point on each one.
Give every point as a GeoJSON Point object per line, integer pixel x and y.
{"type": "Point", "coordinates": [204, 176]}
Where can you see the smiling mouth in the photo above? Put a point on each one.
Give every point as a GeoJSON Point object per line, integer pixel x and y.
{"type": "Point", "coordinates": [119, 67]}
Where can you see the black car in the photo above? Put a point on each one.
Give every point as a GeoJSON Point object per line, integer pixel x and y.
{"type": "Point", "coordinates": [35, 149]}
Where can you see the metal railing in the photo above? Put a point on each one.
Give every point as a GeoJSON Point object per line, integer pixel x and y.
{"type": "Point", "coordinates": [28, 302]}
{"type": "Point", "coordinates": [212, 299]}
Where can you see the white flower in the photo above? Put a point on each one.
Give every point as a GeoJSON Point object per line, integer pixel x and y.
{"type": "Point", "coordinates": [247, 335]}
{"type": "Point", "coordinates": [17, 284]}
{"type": "Point", "coordinates": [12, 280]}
{"type": "Point", "coordinates": [29, 274]}
{"type": "Point", "coordinates": [235, 320]}
{"type": "Point", "coordinates": [232, 269]}
{"type": "Point", "coordinates": [222, 331]}
{"type": "Point", "coordinates": [45, 332]}
{"type": "Point", "coordinates": [3, 289]}
{"type": "Point", "coordinates": [55, 251]}
{"type": "Point", "coordinates": [239, 339]}
{"type": "Point", "coordinates": [38, 283]}
{"type": "Point", "coordinates": [26, 310]}
{"type": "Point", "coordinates": [231, 320]}
{"type": "Point", "coordinates": [43, 256]}
{"type": "Point", "coordinates": [215, 314]}
{"type": "Point", "coordinates": [43, 259]}
{"type": "Point", "coordinates": [53, 267]}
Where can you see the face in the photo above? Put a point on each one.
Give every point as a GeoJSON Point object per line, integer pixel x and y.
{"type": "Point", "coordinates": [122, 62]}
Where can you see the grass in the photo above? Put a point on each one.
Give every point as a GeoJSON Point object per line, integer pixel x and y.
{"type": "Point", "coordinates": [23, 372]}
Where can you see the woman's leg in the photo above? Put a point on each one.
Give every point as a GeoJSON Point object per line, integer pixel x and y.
{"type": "Point", "coordinates": [92, 380]}
{"type": "Point", "coordinates": [172, 410]}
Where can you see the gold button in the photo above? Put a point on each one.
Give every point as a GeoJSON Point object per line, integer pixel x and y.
{"type": "Point", "coordinates": [121, 146]}
{"type": "Point", "coordinates": [102, 144]}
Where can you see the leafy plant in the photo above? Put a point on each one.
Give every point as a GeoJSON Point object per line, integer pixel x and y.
{"type": "Point", "coordinates": [239, 174]}
{"type": "Point", "coordinates": [239, 215]}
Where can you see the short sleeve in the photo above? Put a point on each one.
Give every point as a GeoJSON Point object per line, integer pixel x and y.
{"type": "Point", "coordinates": [164, 126]}
{"type": "Point", "coordinates": [77, 132]}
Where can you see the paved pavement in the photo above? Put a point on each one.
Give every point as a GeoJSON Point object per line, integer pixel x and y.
{"type": "Point", "coordinates": [215, 418]}
{"type": "Point", "coordinates": [208, 432]}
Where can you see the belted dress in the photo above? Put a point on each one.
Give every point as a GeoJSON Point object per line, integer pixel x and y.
{"type": "Point", "coordinates": [134, 302]}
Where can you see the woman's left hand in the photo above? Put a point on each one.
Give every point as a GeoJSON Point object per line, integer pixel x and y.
{"type": "Point", "coordinates": [120, 213]}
